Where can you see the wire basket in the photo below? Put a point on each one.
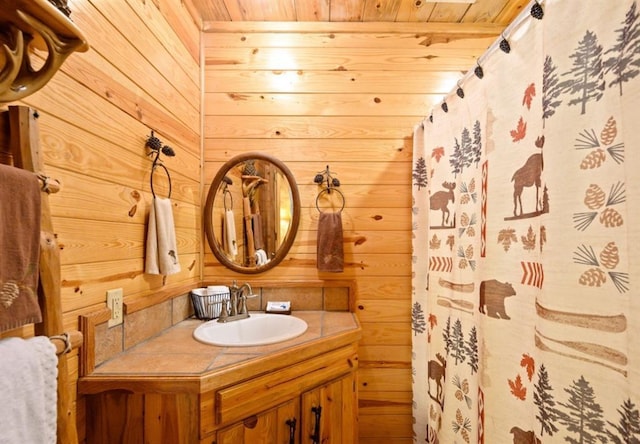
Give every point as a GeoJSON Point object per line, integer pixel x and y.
{"type": "Point", "coordinates": [207, 303]}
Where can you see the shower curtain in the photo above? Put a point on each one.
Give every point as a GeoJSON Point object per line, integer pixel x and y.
{"type": "Point", "coordinates": [526, 243]}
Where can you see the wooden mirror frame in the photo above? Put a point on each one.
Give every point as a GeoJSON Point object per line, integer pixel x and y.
{"type": "Point", "coordinates": [287, 242]}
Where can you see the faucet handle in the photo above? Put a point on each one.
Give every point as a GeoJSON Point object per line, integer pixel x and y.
{"type": "Point", "coordinates": [224, 312]}
{"type": "Point", "coordinates": [243, 305]}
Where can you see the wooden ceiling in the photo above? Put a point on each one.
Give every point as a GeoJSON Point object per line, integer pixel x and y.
{"type": "Point", "coordinates": [498, 12]}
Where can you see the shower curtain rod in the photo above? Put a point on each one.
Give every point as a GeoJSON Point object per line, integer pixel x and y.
{"type": "Point", "coordinates": [508, 31]}
{"type": "Point", "coordinates": [524, 15]}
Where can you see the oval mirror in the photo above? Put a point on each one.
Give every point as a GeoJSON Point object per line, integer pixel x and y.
{"type": "Point", "coordinates": [252, 213]}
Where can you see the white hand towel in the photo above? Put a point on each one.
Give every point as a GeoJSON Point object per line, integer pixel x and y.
{"type": "Point", "coordinates": [162, 251]}
{"type": "Point", "coordinates": [28, 391]}
{"type": "Point", "coordinates": [231, 245]}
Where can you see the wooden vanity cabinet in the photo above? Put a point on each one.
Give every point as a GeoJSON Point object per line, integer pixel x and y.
{"type": "Point", "coordinates": [321, 415]}
{"type": "Point", "coordinates": [317, 396]}
{"type": "Point", "coordinates": [254, 403]}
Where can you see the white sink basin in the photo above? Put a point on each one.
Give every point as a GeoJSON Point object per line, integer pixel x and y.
{"type": "Point", "coordinates": [258, 329]}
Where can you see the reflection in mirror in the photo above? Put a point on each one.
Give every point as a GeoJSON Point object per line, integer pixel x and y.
{"type": "Point", "coordinates": [252, 213]}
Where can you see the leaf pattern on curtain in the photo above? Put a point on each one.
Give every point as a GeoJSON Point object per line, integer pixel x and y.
{"type": "Point", "coordinates": [526, 301]}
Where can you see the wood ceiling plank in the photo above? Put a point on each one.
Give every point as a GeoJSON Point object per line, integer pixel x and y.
{"type": "Point", "coordinates": [191, 9]}
{"type": "Point", "coordinates": [448, 12]}
{"type": "Point", "coordinates": [381, 10]}
{"type": "Point", "coordinates": [346, 10]}
{"type": "Point", "coordinates": [496, 11]}
{"type": "Point", "coordinates": [282, 9]}
{"type": "Point", "coordinates": [249, 10]}
{"type": "Point", "coordinates": [468, 29]}
{"type": "Point", "coordinates": [235, 11]}
{"type": "Point", "coordinates": [312, 10]}
{"type": "Point", "coordinates": [484, 11]}
{"type": "Point", "coordinates": [211, 10]}
{"type": "Point", "coordinates": [414, 11]}
{"type": "Point", "coordinates": [511, 10]}
{"type": "Point", "coordinates": [269, 10]}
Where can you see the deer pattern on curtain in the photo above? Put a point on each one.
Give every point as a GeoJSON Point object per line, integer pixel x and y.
{"type": "Point", "coordinates": [526, 261]}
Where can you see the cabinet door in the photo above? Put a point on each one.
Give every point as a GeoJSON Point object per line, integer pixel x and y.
{"type": "Point", "coordinates": [270, 427]}
{"type": "Point", "coordinates": [329, 413]}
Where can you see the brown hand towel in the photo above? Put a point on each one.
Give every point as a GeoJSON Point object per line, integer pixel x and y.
{"type": "Point", "coordinates": [19, 247]}
{"type": "Point", "coordinates": [162, 249]}
{"type": "Point", "coordinates": [330, 244]}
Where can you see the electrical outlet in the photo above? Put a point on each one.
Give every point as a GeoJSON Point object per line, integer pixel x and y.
{"type": "Point", "coordinates": [114, 302]}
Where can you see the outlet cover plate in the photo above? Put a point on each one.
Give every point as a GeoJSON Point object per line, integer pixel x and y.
{"type": "Point", "coordinates": [115, 302]}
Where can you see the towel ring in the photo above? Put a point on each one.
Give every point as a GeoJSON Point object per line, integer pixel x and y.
{"type": "Point", "coordinates": [328, 191]}
{"type": "Point", "coordinates": [168, 177]}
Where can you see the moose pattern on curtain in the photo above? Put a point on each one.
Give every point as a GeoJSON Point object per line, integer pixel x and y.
{"type": "Point", "coordinates": [526, 243]}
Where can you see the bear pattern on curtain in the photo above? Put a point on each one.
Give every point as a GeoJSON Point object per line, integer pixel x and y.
{"type": "Point", "coordinates": [526, 258]}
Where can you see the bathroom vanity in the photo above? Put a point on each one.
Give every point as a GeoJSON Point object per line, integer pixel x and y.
{"type": "Point", "coordinates": [174, 389]}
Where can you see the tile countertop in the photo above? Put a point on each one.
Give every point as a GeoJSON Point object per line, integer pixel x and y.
{"type": "Point", "coordinates": [175, 352]}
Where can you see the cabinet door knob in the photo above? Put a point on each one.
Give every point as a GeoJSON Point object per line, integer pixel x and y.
{"type": "Point", "coordinates": [292, 430]}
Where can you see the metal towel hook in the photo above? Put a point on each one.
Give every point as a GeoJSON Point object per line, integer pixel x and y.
{"type": "Point", "coordinates": [332, 184]}
{"type": "Point", "coordinates": [156, 147]}
{"type": "Point", "coordinates": [326, 175]}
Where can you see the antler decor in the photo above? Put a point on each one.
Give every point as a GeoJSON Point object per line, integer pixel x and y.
{"type": "Point", "coordinates": [34, 24]}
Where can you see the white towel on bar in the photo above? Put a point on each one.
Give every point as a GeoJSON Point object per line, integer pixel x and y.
{"type": "Point", "coordinates": [28, 391]}
{"type": "Point", "coordinates": [231, 244]}
{"type": "Point", "coordinates": [162, 251]}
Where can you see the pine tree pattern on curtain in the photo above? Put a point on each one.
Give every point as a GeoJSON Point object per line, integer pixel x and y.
{"type": "Point", "coordinates": [526, 302]}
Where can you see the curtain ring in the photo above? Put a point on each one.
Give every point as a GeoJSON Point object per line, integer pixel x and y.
{"type": "Point", "coordinates": [478, 71]}
{"type": "Point", "coordinates": [536, 11]}
{"type": "Point", "coordinates": [168, 177]}
{"type": "Point", "coordinates": [328, 190]}
{"type": "Point", "coordinates": [504, 44]}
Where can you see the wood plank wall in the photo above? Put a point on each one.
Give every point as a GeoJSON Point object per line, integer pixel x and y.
{"type": "Point", "coordinates": [141, 73]}
{"type": "Point", "coordinates": [346, 95]}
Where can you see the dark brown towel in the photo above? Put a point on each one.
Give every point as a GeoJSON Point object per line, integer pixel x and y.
{"type": "Point", "coordinates": [19, 247]}
{"type": "Point", "coordinates": [330, 246]}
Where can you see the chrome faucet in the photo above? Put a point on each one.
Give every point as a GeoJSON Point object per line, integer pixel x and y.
{"type": "Point", "coordinates": [237, 304]}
